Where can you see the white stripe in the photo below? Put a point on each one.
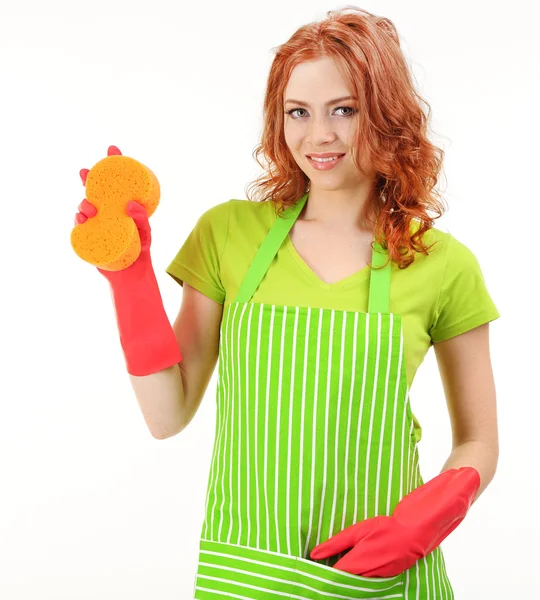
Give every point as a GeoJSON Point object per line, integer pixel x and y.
{"type": "Point", "coordinates": [245, 585]}
{"type": "Point", "coordinates": [239, 428]}
{"type": "Point", "coordinates": [314, 432]}
{"type": "Point", "coordinates": [278, 424]}
{"type": "Point", "coordinates": [267, 400]}
{"type": "Point", "coordinates": [248, 451]}
{"type": "Point", "coordinates": [291, 396]}
{"type": "Point", "coordinates": [411, 465]}
{"type": "Point", "coordinates": [256, 438]}
{"type": "Point", "coordinates": [297, 571]}
{"type": "Point", "coordinates": [385, 404]}
{"type": "Point", "coordinates": [333, 595]}
{"type": "Point", "coordinates": [213, 470]}
{"type": "Point", "coordinates": [226, 406]}
{"type": "Point", "coordinates": [394, 425]}
{"type": "Point", "coordinates": [252, 561]}
{"type": "Point", "coordinates": [310, 576]}
{"type": "Point", "coordinates": [288, 594]}
{"type": "Point", "coordinates": [304, 380]}
{"type": "Point", "coordinates": [329, 376]}
{"type": "Point", "coordinates": [402, 457]}
{"type": "Point", "coordinates": [407, 582]}
{"type": "Point", "coordinates": [435, 578]}
{"type": "Point", "coordinates": [325, 443]}
{"type": "Point", "coordinates": [338, 436]}
{"type": "Point", "coordinates": [271, 554]}
{"type": "Point", "coordinates": [432, 568]}
{"type": "Point", "coordinates": [351, 406]}
{"type": "Point", "coordinates": [203, 589]}
{"type": "Point", "coordinates": [361, 418]}
{"type": "Point", "coordinates": [417, 580]}
{"type": "Point", "coordinates": [435, 571]}
{"type": "Point", "coordinates": [373, 400]}
{"type": "Point", "coordinates": [443, 593]}
{"type": "Point", "coordinates": [446, 582]}
{"type": "Point", "coordinates": [426, 569]}
{"type": "Point", "coordinates": [319, 592]}
{"type": "Point", "coordinates": [232, 433]}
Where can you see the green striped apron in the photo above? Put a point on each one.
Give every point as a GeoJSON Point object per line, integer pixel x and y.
{"type": "Point", "coordinates": [314, 433]}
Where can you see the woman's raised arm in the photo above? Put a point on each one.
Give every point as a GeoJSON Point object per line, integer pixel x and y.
{"type": "Point", "coordinates": [170, 398]}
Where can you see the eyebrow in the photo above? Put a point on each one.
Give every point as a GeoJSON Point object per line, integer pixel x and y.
{"type": "Point", "coordinates": [327, 104]}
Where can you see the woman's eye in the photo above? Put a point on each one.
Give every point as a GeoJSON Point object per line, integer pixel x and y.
{"type": "Point", "coordinates": [293, 110]}
{"type": "Point", "coordinates": [347, 108]}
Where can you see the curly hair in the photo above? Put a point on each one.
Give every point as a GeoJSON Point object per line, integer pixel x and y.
{"type": "Point", "coordinates": [392, 128]}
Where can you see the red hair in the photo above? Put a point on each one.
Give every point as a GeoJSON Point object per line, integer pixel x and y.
{"type": "Point", "coordinates": [392, 128]}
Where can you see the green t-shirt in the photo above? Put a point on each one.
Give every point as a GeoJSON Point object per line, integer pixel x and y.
{"type": "Point", "coordinates": [438, 296]}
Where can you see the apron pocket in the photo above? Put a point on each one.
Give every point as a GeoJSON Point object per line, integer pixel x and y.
{"type": "Point", "coordinates": [232, 571]}
{"type": "Point", "coordinates": [321, 582]}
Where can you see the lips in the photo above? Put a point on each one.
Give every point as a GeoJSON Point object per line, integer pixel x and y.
{"type": "Point", "coordinates": [325, 165]}
{"type": "Point", "coordinates": [326, 155]}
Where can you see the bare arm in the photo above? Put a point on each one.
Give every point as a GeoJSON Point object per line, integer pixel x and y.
{"type": "Point", "coordinates": [170, 398]}
{"type": "Point", "coordinates": [467, 377]}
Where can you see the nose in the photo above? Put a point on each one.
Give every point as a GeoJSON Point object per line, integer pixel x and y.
{"type": "Point", "coordinates": [320, 131]}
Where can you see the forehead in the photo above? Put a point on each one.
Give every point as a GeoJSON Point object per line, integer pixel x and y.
{"type": "Point", "coordinates": [317, 80]}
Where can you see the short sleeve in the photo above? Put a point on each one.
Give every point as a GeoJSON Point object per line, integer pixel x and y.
{"type": "Point", "coordinates": [464, 301]}
{"type": "Point", "coordinates": [198, 262]}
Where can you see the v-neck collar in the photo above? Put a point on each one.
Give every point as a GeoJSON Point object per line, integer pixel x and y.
{"type": "Point", "coordinates": [349, 281]}
{"type": "Point", "coordinates": [276, 237]}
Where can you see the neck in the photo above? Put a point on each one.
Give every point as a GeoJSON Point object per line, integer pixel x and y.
{"type": "Point", "coordinates": [338, 209]}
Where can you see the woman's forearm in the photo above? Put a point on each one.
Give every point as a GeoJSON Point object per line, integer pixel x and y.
{"type": "Point", "coordinates": [161, 400]}
{"type": "Point", "coordinates": [479, 455]}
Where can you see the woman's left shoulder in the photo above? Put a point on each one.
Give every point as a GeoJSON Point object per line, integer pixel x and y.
{"type": "Point", "coordinates": [445, 245]}
{"type": "Point", "coordinates": [434, 254]}
{"type": "Point", "coordinates": [432, 235]}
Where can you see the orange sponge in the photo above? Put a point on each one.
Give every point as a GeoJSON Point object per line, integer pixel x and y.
{"type": "Point", "coordinates": [110, 240]}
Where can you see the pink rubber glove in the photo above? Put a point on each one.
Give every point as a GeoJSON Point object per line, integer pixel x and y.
{"type": "Point", "coordinates": [386, 546]}
{"type": "Point", "coordinates": [146, 335]}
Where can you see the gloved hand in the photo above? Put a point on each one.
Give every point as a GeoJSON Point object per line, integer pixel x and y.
{"type": "Point", "coordinates": [146, 335]}
{"type": "Point", "coordinates": [386, 546]}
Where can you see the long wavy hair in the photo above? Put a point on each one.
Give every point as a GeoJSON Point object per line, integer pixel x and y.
{"type": "Point", "coordinates": [391, 128]}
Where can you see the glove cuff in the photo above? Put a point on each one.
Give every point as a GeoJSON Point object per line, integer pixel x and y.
{"type": "Point", "coordinates": [147, 338]}
{"type": "Point", "coordinates": [436, 508]}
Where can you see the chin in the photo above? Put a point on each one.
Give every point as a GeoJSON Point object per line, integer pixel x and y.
{"type": "Point", "coordinates": [326, 187]}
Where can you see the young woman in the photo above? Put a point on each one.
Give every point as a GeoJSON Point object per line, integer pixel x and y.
{"type": "Point", "coordinates": [321, 301]}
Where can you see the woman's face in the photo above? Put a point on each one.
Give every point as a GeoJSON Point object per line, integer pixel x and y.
{"type": "Point", "coordinates": [317, 124]}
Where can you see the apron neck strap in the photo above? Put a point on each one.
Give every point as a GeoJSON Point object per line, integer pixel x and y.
{"type": "Point", "coordinates": [379, 282]}
{"type": "Point", "coordinates": [268, 250]}
{"type": "Point", "coordinates": [379, 289]}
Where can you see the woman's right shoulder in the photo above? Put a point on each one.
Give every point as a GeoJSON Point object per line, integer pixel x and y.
{"type": "Point", "coordinates": [241, 215]}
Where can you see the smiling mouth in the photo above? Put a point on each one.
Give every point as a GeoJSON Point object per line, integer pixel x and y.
{"type": "Point", "coordinates": [327, 164]}
{"type": "Point", "coordinates": [325, 159]}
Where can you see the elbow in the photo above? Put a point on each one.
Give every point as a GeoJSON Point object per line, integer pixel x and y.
{"type": "Point", "coordinates": [166, 430]}
{"type": "Point", "coordinates": [165, 435]}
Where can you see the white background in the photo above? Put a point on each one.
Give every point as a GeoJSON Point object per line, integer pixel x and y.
{"type": "Point", "coordinates": [93, 507]}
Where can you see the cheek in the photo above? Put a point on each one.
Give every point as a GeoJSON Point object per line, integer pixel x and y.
{"type": "Point", "coordinates": [349, 133]}
{"type": "Point", "coordinates": [292, 135]}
